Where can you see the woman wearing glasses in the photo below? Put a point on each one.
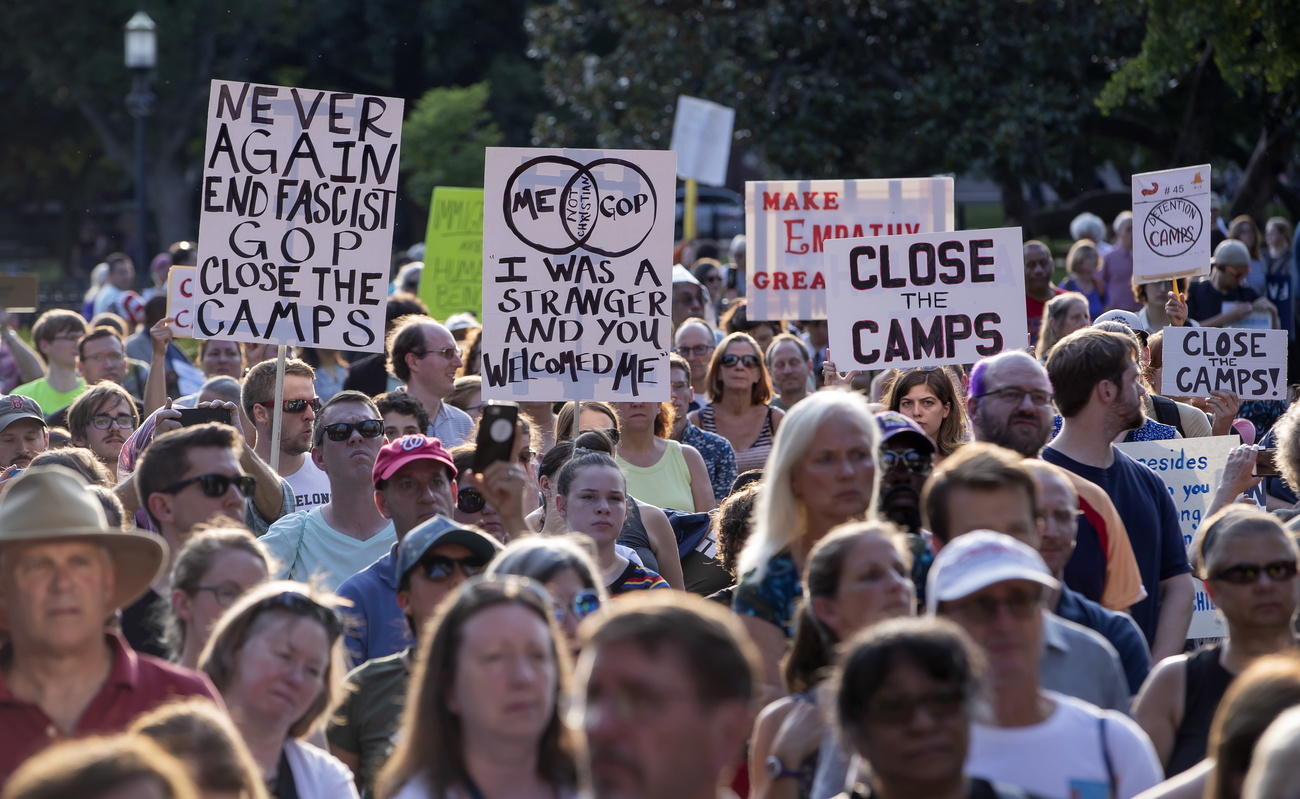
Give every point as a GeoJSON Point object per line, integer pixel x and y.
{"type": "Point", "coordinates": [931, 397]}
{"type": "Point", "coordinates": [213, 569]}
{"type": "Point", "coordinates": [101, 420]}
{"type": "Point", "coordinates": [277, 658]}
{"type": "Point", "coordinates": [564, 567]}
{"type": "Point", "coordinates": [739, 390]}
{"type": "Point", "coordinates": [482, 718]}
{"type": "Point", "coordinates": [1248, 562]}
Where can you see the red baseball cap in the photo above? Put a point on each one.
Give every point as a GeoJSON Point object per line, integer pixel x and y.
{"type": "Point", "coordinates": [407, 449]}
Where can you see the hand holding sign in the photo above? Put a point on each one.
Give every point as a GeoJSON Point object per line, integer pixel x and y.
{"type": "Point", "coordinates": [161, 335]}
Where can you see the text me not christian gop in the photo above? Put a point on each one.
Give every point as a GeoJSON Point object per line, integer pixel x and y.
{"type": "Point", "coordinates": [298, 200]}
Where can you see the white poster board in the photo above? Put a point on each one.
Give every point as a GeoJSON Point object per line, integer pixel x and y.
{"type": "Point", "coordinates": [1171, 223]}
{"type": "Point", "coordinates": [925, 300]}
{"type": "Point", "coordinates": [788, 222]}
{"type": "Point", "coordinates": [180, 299]}
{"type": "Point", "coordinates": [702, 140]}
{"type": "Point", "coordinates": [577, 274]}
{"type": "Point", "coordinates": [298, 201]}
{"type": "Point", "coordinates": [1191, 469]}
{"type": "Point", "coordinates": [1198, 360]}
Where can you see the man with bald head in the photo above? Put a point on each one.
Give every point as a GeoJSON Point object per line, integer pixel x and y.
{"type": "Point", "coordinates": [423, 354]}
{"type": "Point", "coordinates": [1038, 284]}
{"type": "Point", "coordinates": [1010, 404]}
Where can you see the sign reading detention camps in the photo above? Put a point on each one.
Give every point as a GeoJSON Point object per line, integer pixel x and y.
{"type": "Point", "coordinates": [1191, 469]}
{"type": "Point", "coordinates": [1198, 360]}
{"type": "Point", "coordinates": [788, 223]}
{"type": "Point", "coordinates": [298, 198]}
{"type": "Point", "coordinates": [924, 300]}
{"type": "Point", "coordinates": [452, 280]}
{"type": "Point", "coordinates": [1171, 223]}
{"type": "Point", "coordinates": [577, 271]}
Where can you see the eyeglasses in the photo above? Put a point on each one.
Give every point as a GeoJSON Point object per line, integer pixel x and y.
{"type": "Point", "coordinates": [698, 349]}
{"type": "Point", "coordinates": [731, 359]}
{"type": "Point", "coordinates": [445, 352]}
{"type": "Point", "coordinates": [985, 609]}
{"type": "Point", "coordinates": [1247, 573]}
{"type": "Point", "coordinates": [1015, 396]}
{"type": "Point", "coordinates": [469, 500]}
{"type": "Point", "coordinates": [914, 461]}
{"type": "Point", "coordinates": [440, 567]}
{"type": "Point", "coordinates": [583, 605]}
{"type": "Point", "coordinates": [943, 703]}
{"type": "Point", "coordinates": [296, 405]}
{"type": "Point", "coordinates": [303, 605]}
{"type": "Point", "coordinates": [216, 485]}
{"type": "Point", "coordinates": [342, 431]}
{"type": "Point", "coordinates": [224, 593]}
{"type": "Point", "coordinates": [103, 421]}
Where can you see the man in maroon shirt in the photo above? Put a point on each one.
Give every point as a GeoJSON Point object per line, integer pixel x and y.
{"type": "Point", "coordinates": [1038, 284]}
{"type": "Point", "coordinates": [63, 572]}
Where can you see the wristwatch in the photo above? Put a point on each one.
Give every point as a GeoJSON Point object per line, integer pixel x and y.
{"type": "Point", "coordinates": [777, 770]}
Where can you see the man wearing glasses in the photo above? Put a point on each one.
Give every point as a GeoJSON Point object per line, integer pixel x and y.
{"type": "Point", "coordinates": [55, 335]}
{"type": "Point", "coordinates": [424, 356]}
{"type": "Point", "coordinates": [332, 542]}
{"type": "Point", "coordinates": [311, 488]}
{"type": "Point", "coordinates": [1044, 742]}
{"type": "Point", "coordinates": [694, 341]}
{"type": "Point", "coordinates": [101, 357]}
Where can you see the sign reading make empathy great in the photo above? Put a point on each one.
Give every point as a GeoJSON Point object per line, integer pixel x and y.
{"type": "Point", "coordinates": [298, 201]}
{"type": "Point", "coordinates": [577, 271]}
{"type": "Point", "coordinates": [788, 222]}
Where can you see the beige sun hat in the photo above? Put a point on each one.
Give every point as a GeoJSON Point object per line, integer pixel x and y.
{"type": "Point", "coordinates": [51, 503]}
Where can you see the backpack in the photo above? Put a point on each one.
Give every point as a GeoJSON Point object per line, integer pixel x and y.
{"type": "Point", "coordinates": [1167, 413]}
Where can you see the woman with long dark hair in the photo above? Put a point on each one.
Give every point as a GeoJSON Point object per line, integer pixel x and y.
{"type": "Point", "coordinates": [931, 397]}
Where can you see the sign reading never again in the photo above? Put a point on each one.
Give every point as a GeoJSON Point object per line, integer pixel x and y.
{"type": "Point", "coordinates": [296, 231]}
{"type": "Point", "coordinates": [926, 300]}
{"type": "Point", "coordinates": [577, 268]}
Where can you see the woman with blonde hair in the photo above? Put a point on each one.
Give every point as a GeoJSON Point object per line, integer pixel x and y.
{"type": "Point", "coordinates": [214, 568]}
{"type": "Point", "coordinates": [1243, 229]}
{"type": "Point", "coordinates": [1081, 265]}
{"type": "Point", "coordinates": [277, 658]}
{"type": "Point", "coordinates": [1063, 314]}
{"type": "Point", "coordinates": [206, 741]}
{"type": "Point", "coordinates": [821, 473]}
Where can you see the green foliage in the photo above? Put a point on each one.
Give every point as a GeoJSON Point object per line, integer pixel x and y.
{"type": "Point", "coordinates": [443, 140]}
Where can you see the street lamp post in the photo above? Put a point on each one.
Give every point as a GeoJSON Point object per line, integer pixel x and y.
{"type": "Point", "coordinates": [141, 57]}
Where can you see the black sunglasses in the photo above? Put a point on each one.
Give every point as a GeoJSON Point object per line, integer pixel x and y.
{"type": "Point", "coordinates": [1247, 573]}
{"type": "Point", "coordinates": [470, 500]}
{"type": "Point", "coordinates": [296, 405]}
{"type": "Point", "coordinates": [441, 567]}
{"type": "Point", "coordinates": [342, 431]}
{"type": "Point", "coordinates": [216, 485]}
{"type": "Point", "coordinates": [303, 605]}
{"type": "Point", "coordinates": [731, 359]}
{"type": "Point", "coordinates": [917, 462]}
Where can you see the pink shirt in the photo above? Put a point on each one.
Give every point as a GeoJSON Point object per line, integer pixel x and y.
{"type": "Point", "coordinates": [1117, 276]}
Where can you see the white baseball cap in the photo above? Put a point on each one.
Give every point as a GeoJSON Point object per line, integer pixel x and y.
{"type": "Point", "coordinates": [973, 561]}
{"type": "Point", "coordinates": [683, 275]}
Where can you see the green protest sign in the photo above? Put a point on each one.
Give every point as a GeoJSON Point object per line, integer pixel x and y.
{"type": "Point", "coordinates": [452, 281]}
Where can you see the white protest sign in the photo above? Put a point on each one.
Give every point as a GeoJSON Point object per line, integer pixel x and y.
{"type": "Point", "coordinates": [788, 222]}
{"type": "Point", "coordinates": [925, 300]}
{"type": "Point", "coordinates": [702, 140]}
{"type": "Point", "coordinates": [1198, 360]}
{"type": "Point", "coordinates": [577, 274]}
{"type": "Point", "coordinates": [1191, 469]}
{"type": "Point", "coordinates": [1171, 223]}
{"type": "Point", "coordinates": [298, 201]}
{"type": "Point", "coordinates": [180, 299]}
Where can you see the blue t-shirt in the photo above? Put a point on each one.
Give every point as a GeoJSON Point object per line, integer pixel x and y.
{"type": "Point", "coordinates": [1117, 628]}
{"type": "Point", "coordinates": [376, 626]}
{"type": "Point", "coordinates": [1151, 519]}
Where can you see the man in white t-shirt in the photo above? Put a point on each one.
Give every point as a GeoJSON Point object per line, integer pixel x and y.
{"type": "Point", "coordinates": [311, 487]}
{"type": "Point", "coordinates": [1046, 743]}
{"type": "Point", "coordinates": [340, 538]}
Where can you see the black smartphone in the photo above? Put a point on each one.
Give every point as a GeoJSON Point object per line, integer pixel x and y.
{"type": "Point", "coordinates": [496, 434]}
{"type": "Point", "coordinates": [1266, 463]}
{"type": "Point", "coordinates": [193, 416]}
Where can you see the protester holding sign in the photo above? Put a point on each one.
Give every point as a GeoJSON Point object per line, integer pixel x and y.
{"type": "Point", "coordinates": [1062, 315]}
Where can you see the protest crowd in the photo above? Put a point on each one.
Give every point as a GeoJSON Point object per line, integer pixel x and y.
{"type": "Point", "coordinates": [245, 570]}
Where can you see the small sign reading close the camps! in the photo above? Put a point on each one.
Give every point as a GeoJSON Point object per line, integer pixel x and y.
{"type": "Point", "coordinates": [1171, 224]}
{"type": "Point", "coordinates": [925, 300]}
{"type": "Point", "coordinates": [702, 140]}
{"type": "Point", "coordinates": [1198, 360]}
{"type": "Point", "coordinates": [298, 201]}
{"type": "Point", "coordinates": [577, 271]}
{"type": "Point", "coordinates": [452, 280]}
{"type": "Point", "coordinates": [180, 299]}
{"type": "Point", "coordinates": [789, 222]}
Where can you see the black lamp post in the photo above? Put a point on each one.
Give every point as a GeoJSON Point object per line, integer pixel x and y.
{"type": "Point", "coordinates": [141, 57]}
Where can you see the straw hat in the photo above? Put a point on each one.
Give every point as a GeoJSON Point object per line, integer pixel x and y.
{"type": "Point", "coordinates": [51, 504]}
